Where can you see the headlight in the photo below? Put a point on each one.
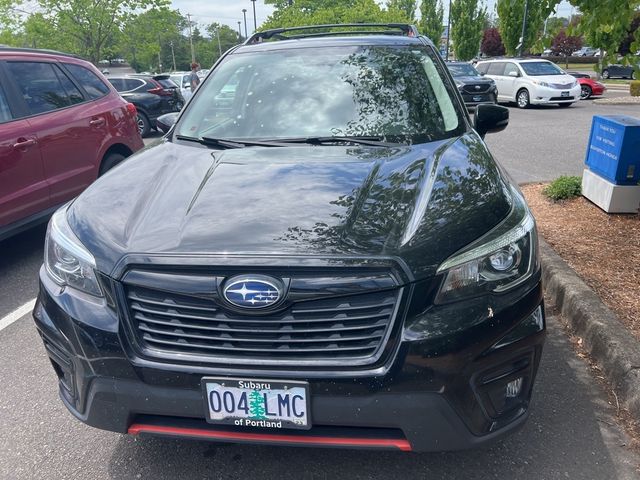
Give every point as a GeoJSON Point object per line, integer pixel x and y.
{"type": "Point", "coordinates": [66, 259]}
{"type": "Point", "coordinates": [541, 83]}
{"type": "Point", "coordinates": [501, 260]}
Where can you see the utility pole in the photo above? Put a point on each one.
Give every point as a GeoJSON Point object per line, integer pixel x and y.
{"type": "Point", "coordinates": [524, 27]}
{"type": "Point", "coordinates": [218, 35]}
{"type": "Point", "coordinates": [244, 13]}
{"type": "Point", "coordinates": [193, 53]}
{"type": "Point", "coordinates": [448, 31]}
{"type": "Point", "coordinates": [239, 32]}
{"type": "Point", "coordinates": [255, 22]}
{"type": "Point", "coordinates": [173, 55]}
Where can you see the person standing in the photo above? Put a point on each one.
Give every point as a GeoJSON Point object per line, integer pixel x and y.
{"type": "Point", "coordinates": [194, 80]}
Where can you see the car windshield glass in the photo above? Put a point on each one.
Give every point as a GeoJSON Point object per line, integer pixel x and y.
{"type": "Point", "coordinates": [395, 94]}
{"type": "Point", "coordinates": [462, 70]}
{"type": "Point", "coordinates": [541, 68]}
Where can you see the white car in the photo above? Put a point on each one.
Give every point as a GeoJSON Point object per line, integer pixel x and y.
{"type": "Point", "coordinates": [531, 82]}
{"type": "Point", "coordinates": [183, 80]}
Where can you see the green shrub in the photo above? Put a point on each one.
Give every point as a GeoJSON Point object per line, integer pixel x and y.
{"type": "Point", "coordinates": [634, 88]}
{"type": "Point", "coordinates": [563, 188]}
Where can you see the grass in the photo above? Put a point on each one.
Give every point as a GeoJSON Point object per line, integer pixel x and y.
{"type": "Point", "coordinates": [563, 188]}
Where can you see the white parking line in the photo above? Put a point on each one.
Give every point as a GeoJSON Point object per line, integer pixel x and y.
{"type": "Point", "coordinates": [17, 314]}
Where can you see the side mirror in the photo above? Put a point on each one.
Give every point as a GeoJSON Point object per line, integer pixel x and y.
{"type": "Point", "coordinates": [166, 121]}
{"type": "Point", "coordinates": [490, 119]}
{"type": "Point", "coordinates": [514, 74]}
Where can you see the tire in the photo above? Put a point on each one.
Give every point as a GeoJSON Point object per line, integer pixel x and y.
{"type": "Point", "coordinates": [144, 125]}
{"type": "Point", "coordinates": [605, 74]}
{"type": "Point", "coordinates": [585, 92]}
{"type": "Point", "coordinates": [522, 98]}
{"type": "Point", "coordinates": [564, 105]}
{"type": "Point", "coordinates": [110, 161]}
{"type": "Point", "coordinates": [633, 75]}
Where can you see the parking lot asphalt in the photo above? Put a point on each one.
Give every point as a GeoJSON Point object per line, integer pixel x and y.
{"type": "Point", "coordinates": [572, 432]}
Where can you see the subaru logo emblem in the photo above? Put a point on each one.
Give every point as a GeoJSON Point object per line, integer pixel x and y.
{"type": "Point", "coordinates": [478, 87]}
{"type": "Point", "coordinates": [252, 291]}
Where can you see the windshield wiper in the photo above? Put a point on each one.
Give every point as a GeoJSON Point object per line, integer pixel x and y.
{"type": "Point", "coordinates": [373, 141]}
{"type": "Point", "coordinates": [228, 143]}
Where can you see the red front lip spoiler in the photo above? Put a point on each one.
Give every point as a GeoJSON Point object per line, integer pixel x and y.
{"type": "Point", "coordinates": [394, 443]}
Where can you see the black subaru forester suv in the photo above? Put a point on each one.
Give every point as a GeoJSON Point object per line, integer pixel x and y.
{"type": "Point", "coordinates": [331, 257]}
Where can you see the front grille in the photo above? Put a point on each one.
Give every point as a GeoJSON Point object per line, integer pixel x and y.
{"type": "Point", "coordinates": [348, 327]}
{"type": "Point", "coordinates": [473, 89]}
{"type": "Point", "coordinates": [562, 86]}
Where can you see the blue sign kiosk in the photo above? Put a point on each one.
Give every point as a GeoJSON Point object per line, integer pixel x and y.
{"type": "Point", "coordinates": [612, 177]}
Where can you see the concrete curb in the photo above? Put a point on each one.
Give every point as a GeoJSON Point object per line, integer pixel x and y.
{"type": "Point", "coordinates": [609, 343]}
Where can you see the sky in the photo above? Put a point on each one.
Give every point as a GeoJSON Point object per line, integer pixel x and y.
{"type": "Point", "coordinates": [229, 12]}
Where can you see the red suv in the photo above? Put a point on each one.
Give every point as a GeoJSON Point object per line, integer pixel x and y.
{"type": "Point", "coordinates": [61, 126]}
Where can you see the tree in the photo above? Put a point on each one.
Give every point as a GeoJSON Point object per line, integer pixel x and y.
{"type": "Point", "coordinates": [467, 20]}
{"type": "Point", "coordinates": [407, 7]}
{"type": "Point", "coordinates": [625, 45]}
{"type": "Point", "coordinates": [510, 17]}
{"type": "Point", "coordinates": [91, 24]}
{"type": "Point", "coordinates": [256, 405]}
{"type": "Point", "coordinates": [227, 36]}
{"type": "Point", "coordinates": [564, 45]}
{"type": "Point", "coordinates": [431, 24]}
{"type": "Point", "coordinates": [492, 45]}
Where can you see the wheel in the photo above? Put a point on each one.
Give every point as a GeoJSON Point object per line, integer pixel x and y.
{"type": "Point", "coordinates": [605, 74]}
{"type": "Point", "coordinates": [633, 75]}
{"type": "Point", "coordinates": [522, 99]}
{"type": "Point", "coordinates": [144, 126]}
{"type": "Point", "coordinates": [110, 161]}
{"type": "Point", "coordinates": [585, 92]}
{"type": "Point", "coordinates": [564, 105]}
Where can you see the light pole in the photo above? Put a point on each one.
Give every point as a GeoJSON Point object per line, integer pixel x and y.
{"type": "Point", "coordinates": [239, 32]}
{"type": "Point", "coordinates": [218, 35]}
{"type": "Point", "coordinates": [524, 27]}
{"type": "Point", "coordinates": [173, 55]}
{"type": "Point", "coordinates": [193, 53]}
{"type": "Point", "coordinates": [448, 31]}
{"type": "Point", "coordinates": [255, 23]}
{"type": "Point", "coordinates": [244, 14]}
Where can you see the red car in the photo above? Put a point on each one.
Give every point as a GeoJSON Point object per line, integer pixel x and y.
{"type": "Point", "coordinates": [589, 86]}
{"type": "Point", "coordinates": [61, 126]}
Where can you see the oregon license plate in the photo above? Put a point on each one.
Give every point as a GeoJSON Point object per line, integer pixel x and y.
{"type": "Point", "coordinates": [257, 403]}
{"type": "Point", "coordinates": [565, 94]}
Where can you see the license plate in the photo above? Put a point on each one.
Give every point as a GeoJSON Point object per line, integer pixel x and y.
{"type": "Point", "coordinates": [478, 98]}
{"type": "Point", "coordinates": [257, 403]}
{"type": "Point", "coordinates": [565, 94]}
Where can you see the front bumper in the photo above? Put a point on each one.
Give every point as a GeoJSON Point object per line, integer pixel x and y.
{"type": "Point", "coordinates": [544, 95]}
{"type": "Point", "coordinates": [438, 392]}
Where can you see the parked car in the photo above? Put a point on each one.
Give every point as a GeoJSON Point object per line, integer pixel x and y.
{"type": "Point", "coordinates": [585, 52]}
{"type": "Point", "coordinates": [589, 87]}
{"type": "Point", "coordinates": [619, 71]}
{"type": "Point", "coordinates": [474, 88]}
{"type": "Point", "coordinates": [183, 80]}
{"type": "Point", "coordinates": [61, 126]}
{"type": "Point", "coordinates": [153, 95]}
{"type": "Point", "coordinates": [531, 82]}
{"type": "Point", "coordinates": [335, 260]}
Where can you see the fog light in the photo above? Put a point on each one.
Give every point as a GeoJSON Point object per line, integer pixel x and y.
{"type": "Point", "coordinates": [514, 388]}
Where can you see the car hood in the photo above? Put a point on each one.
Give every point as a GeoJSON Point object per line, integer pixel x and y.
{"type": "Point", "coordinates": [555, 79]}
{"type": "Point", "coordinates": [419, 204]}
{"type": "Point", "coordinates": [466, 79]}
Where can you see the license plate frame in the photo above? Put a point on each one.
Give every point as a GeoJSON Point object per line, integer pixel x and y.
{"type": "Point", "coordinates": [268, 421]}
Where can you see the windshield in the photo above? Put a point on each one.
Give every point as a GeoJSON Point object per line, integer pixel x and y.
{"type": "Point", "coordinates": [541, 68]}
{"type": "Point", "coordinates": [462, 70]}
{"type": "Point", "coordinates": [394, 93]}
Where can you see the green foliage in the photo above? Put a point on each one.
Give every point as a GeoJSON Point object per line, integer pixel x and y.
{"type": "Point", "coordinates": [407, 7]}
{"type": "Point", "coordinates": [467, 23]}
{"type": "Point", "coordinates": [431, 24]}
{"type": "Point", "coordinates": [510, 17]}
{"type": "Point", "coordinates": [563, 188]}
{"type": "Point", "coordinates": [634, 88]}
{"type": "Point", "coordinates": [319, 12]}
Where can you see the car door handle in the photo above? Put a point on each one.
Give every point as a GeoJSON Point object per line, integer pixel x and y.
{"type": "Point", "coordinates": [24, 143]}
{"type": "Point", "coordinates": [97, 122]}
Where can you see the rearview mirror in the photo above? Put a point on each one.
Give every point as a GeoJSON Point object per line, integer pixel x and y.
{"type": "Point", "coordinates": [490, 119]}
{"type": "Point", "coordinates": [166, 121]}
{"type": "Point", "coordinates": [513, 74]}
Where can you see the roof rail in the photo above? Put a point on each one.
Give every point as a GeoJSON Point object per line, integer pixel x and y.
{"type": "Point", "coordinates": [404, 29]}
{"type": "Point", "coordinates": [7, 48]}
